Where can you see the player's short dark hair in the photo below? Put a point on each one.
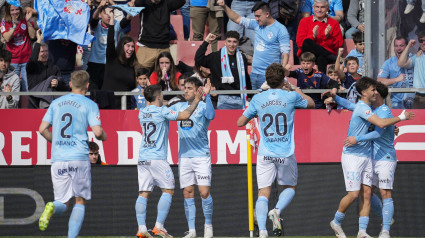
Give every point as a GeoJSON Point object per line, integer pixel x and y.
{"type": "Point", "coordinates": [232, 34]}
{"type": "Point", "coordinates": [261, 5]}
{"type": "Point", "coordinates": [308, 57]}
{"type": "Point", "coordinates": [350, 58]}
{"type": "Point", "coordinates": [6, 55]}
{"type": "Point", "coordinates": [275, 75]}
{"type": "Point", "coordinates": [142, 71]}
{"type": "Point", "coordinates": [79, 79]}
{"type": "Point", "coordinates": [421, 34]}
{"type": "Point", "coordinates": [402, 38]}
{"type": "Point", "coordinates": [382, 89]}
{"type": "Point", "coordinates": [195, 81]}
{"type": "Point", "coordinates": [151, 92]}
{"type": "Point", "coordinates": [358, 37]}
{"type": "Point", "coordinates": [93, 146]}
{"type": "Point", "coordinates": [364, 83]}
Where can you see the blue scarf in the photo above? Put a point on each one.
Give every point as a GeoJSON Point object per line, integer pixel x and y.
{"type": "Point", "coordinates": [227, 72]}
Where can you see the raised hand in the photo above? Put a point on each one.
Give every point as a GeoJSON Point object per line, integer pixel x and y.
{"type": "Point", "coordinates": [210, 37]}
{"type": "Point", "coordinates": [315, 31]}
{"type": "Point", "coordinates": [340, 51]}
{"type": "Point", "coordinates": [39, 35]}
{"type": "Point", "coordinates": [328, 30]}
{"type": "Point", "coordinates": [207, 87]}
{"type": "Point", "coordinates": [199, 93]}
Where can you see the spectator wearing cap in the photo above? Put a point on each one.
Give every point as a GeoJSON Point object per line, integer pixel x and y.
{"type": "Point", "coordinates": [229, 70]}
{"type": "Point", "coordinates": [154, 36]}
{"type": "Point", "coordinates": [97, 60]}
{"type": "Point", "coordinates": [17, 30]}
{"type": "Point", "coordinates": [271, 40]}
{"type": "Point", "coordinates": [320, 35]}
{"type": "Point", "coordinates": [9, 81]}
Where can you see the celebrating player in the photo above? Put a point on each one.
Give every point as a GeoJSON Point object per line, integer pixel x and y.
{"type": "Point", "coordinates": [275, 109]}
{"type": "Point", "coordinates": [153, 168]}
{"type": "Point", "coordinates": [356, 161]}
{"type": "Point", "coordinates": [194, 155]}
{"type": "Point", "coordinates": [70, 116]}
{"type": "Point", "coordinates": [384, 161]}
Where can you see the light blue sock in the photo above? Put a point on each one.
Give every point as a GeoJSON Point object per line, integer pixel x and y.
{"type": "Point", "coordinates": [285, 198]}
{"type": "Point", "coordinates": [388, 212]}
{"type": "Point", "coordinates": [207, 206]}
{"type": "Point", "coordinates": [60, 208]}
{"type": "Point", "coordinates": [261, 209]}
{"type": "Point", "coordinates": [363, 222]}
{"type": "Point", "coordinates": [339, 217]}
{"type": "Point", "coordinates": [190, 210]}
{"type": "Point", "coordinates": [164, 205]}
{"type": "Point", "coordinates": [376, 205]}
{"type": "Point", "coordinates": [76, 220]}
{"type": "Point", "coordinates": [141, 204]}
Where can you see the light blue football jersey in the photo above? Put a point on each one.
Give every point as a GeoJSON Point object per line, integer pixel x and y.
{"type": "Point", "coordinates": [155, 125]}
{"type": "Point", "coordinates": [70, 115]}
{"type": "Point", "coordinates": [193, 133]}
{"type": "Point", "coordinates": [359, 125]}
{"type": "Point", "coordinates": [275, 109]}
{"type": "Point", "coordinates": [383, 146]}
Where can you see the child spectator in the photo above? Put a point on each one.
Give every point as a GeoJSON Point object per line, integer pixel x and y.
{"type": "Point", "coordinates": [309, 78]}
{"type": "Point", "coordinates": [97, 60]}
{"type": "Point", "coordinates": [349, 78]}
{"type": "Point", "coordinates": [358, 52]}
{"type": "Point", "coordinates": [332, 74]}
{"type": "Point", "coordinates": [165, 73]}
{"type": "Point", "coordinates": [17, 30]}
{"type": "Point", "coordinates": [94, 154]}
{"type": "Point", "coordinates": [138, 102]}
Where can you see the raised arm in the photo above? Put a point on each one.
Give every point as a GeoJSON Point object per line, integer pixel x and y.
{"type": "Point", "coordinates": [230, 13]}
{"type": "Point", "coordinates": [209, 110]}
{"type": "Point", "coordinates": [310, 102]}
{"type": "Point", "coordinates": [338, 69]}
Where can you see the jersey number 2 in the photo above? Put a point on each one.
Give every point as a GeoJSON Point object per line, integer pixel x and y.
{"type": "Point", "coordinates": [275, 120]}
{"type": "Point", "coordinates": [64, 116]}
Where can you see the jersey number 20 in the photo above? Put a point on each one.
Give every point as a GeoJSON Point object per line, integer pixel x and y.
{"type": "Point", "coordinates": [275, 120]}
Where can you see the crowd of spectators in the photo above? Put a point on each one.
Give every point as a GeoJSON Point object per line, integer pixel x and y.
{"type": "Point", "coordinates": [117, 62]}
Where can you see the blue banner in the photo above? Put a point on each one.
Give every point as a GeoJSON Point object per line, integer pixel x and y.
{"type": "Point", "coordinates": [64, 19]}
{"type": "Point", "coordinates": [133, 11]}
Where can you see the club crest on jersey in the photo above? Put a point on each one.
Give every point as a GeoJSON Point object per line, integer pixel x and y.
{"type": "Point", "coordinates": [367, 112]}
{"type": "Point", "coordinates": [172, 112]}
{"type": "Point", "coordinates": [98, 117]}
{"type": "Point", "coordinates": [270, 35]}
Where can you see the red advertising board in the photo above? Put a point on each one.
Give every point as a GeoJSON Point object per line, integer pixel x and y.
{"type": "Point", "coordinates": [319, 137]}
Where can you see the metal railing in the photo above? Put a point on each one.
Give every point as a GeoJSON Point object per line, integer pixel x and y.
{"type": "Point", "coordinates": [124, 94]}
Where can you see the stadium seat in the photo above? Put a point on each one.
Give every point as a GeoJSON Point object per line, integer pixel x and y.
{"type": "Point", "coordinates": [177, 22]}
{"type": "Point", "coordinates": [186, 51]}
{"type": "Point", "coordinates": [348, 46]}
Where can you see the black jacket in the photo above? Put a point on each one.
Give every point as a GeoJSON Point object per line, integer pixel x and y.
{"type": "Point", "coordinates": [155, 22]}
{"type": "Point", "coordinates": [37, 72]}
{"type": "Point", "coordinates": [213, 62]}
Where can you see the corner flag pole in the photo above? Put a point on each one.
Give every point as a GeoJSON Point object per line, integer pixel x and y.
{"type": "Point", "coordinates": [250, 195]}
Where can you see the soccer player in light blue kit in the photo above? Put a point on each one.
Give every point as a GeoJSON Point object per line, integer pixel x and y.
{"type": "Point", "coordinates": [356, 160]}
{"type": "Point", "coordinates": [70, 116]}
{"type": "Point", "coordinates": [275, 109]}
{"type": "Point", "coordinates": [153, 168]}
{"type": "Point", "coordinates": [384, 160]}
{"type": "Point", "coordinates": [194, 155]}
{"type": "Point", "coordinates": [271, 39]}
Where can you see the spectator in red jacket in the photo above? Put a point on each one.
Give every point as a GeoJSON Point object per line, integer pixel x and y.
{"type": "Point", "coordinates": [320, 35]}
{"type": "Point", "coordinates": [165, 73]}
